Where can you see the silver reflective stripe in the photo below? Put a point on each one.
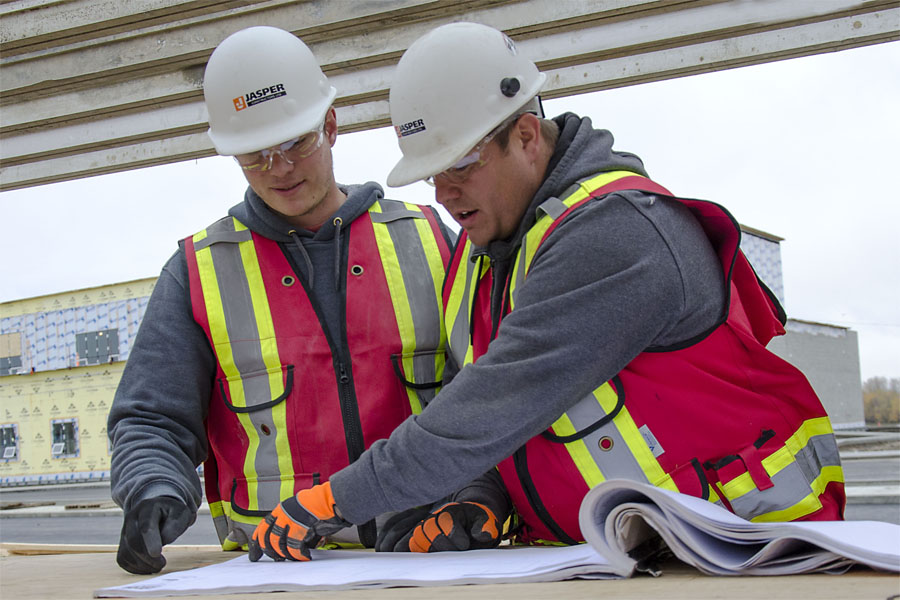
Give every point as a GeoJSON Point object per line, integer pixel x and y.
{"type": "Point", "coordinates": [459, 335]}
{"type": "Point", "coordinates": [820, 451]}
{"type": "Point", "coordinates": [396, 212]}
{"type": "Point", "coordinates": [221, 525]}
{"type": "Point", "coordinates": [214, 237]}
{"type": "Point", "coordinates": [240, 321]}
{"type": "Point", "coordinates": [241, 533]}
{"type": "Point", "coordinates": [618, 461]}
{"type": "Point", "coordinates": [574, 187]}
{"type": "Point", "coordinates": [552, 207]}
{"type": "Point", "coordinates": [790, 488]}
{"type": "Point", "coordinates": [420, 288]}
{"type": "Point", "coordinates": [793, 483]}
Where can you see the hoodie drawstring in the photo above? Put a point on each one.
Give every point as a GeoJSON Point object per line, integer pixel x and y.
{"type": "Point", "coordinates": [337, 252]}
{"type": "Point", "coordinates": [309, 265]}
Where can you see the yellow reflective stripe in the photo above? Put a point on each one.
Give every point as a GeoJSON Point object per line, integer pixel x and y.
{"type": "Point", "coordinates": [653, 471]}
{"type": "Point", "coordinates": [738, 486]}
{"type": "Point", "coordinates": [216, 509]}
{"type": "Point", "coordinates": [271, 359]}
{"type": "Point", "coordinates": [436, 266]}
{"type": "Point", "coordinates": [544, 222]}
{"type": "Point", "coordinates": [455, 311]}
{"type": "Point", "coordinates": [581, 456]}
{"type": "Point", "coordinates": [474, 274]}
{"type": "Point", "coordinates": [213, 301]}
{"type": "Point", "coordinates": [219, 333]}
{"type": "Point", "coordinates": [773, 463]}
{"type": "Point", "coordinates": [598, 181]}
{"type": "Point", "coordinates": [666, 483]}
{"type": "Point", "coordinates": [808, 505]}
{"type": "Point", "coordinates": [228, 546]}
{"type": "Point", "coordinates": [809, 428]}
{"type": "Point", "coordinates": [783, 457]}
{"type": "Point", "coordinates": [269, 349]}
{"type": "Point", "coordinates": [399, 299]}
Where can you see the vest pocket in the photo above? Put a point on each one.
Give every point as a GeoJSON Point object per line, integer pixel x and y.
{"type": "Point", "coordinates": [689, 479]}
{"type": "Point", "coordinates": [250, 392]}
{"type": "Point", "coordinates": [418, 371]}
{"type": "Point", "coordinates": [267, 490]}
{"type": "Point", "coordinates": [424, 371]}
{"type": "Point", "coordinates": [763, 478]}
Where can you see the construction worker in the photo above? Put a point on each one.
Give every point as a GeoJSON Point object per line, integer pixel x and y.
{"type": "Point", "coordinates": [599, 327]}
{"type": "Point", "coordinates": [283, 339]}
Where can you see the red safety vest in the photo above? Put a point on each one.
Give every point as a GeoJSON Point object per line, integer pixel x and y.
{"type": "Point", "coordinates": [292, 405]}
{"type": "Point", "coordinates": [720, 417]}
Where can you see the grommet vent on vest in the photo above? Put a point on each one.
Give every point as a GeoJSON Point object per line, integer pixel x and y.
{"type": "Point", "coordinates": [605, 443]}
{"type": "Point", "coordinates": [356, 270]}
{"type": "Point", "coordinates": [287, 281]}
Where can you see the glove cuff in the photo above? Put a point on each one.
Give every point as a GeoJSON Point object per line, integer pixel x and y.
{"type": "Point", "coordinates": [318, 501]}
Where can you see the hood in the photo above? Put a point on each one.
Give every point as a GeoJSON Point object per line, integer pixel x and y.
{"type": "Point", "coordinates": [254, 213]}
{"type": "Point", "coordinates": [580, 152]}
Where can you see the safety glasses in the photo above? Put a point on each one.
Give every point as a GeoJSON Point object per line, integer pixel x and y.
{"type": "Point", "coordinates": [290, 151]}
{"type": "Point", "coordinates": [472, 161]}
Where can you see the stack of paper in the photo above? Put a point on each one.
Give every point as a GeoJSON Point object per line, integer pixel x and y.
{"type": "Point", "coordinates": [618, 517]}
{"type": "Point", "coordinates": [626, 525]}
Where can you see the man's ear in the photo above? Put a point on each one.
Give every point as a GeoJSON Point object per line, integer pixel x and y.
{"type": "Point", "coordinates": [331, 127]}
{"type": "Point", "coordinates": [528, 134]}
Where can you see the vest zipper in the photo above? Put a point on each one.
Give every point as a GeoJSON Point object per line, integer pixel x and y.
{"type": "Point", "coordinates": [346, 392]}
{"type": "Point", "coordinates": [350, 410]}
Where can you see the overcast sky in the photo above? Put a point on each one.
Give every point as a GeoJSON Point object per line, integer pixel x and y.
{"type": "Point", "coordinates": [805, 149]}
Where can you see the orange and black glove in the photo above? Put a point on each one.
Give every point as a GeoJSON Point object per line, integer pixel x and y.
{"type": "Point", "coordinates": [453, 526]}
{"type": "Point", "coordinates": [296, 525]}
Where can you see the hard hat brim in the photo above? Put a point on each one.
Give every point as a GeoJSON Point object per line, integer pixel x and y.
{"type": "Point", "coordinates": [410, 169]}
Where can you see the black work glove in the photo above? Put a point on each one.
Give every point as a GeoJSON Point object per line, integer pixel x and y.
{"type": "Point", "coordinates": [398, 526]}
{"type": "Point", "coordinates": [453, 526]}
{"type": "Point", "coordinates": [149, 525]}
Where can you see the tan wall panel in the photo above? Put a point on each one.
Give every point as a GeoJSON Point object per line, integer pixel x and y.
{"type": "Point", "coordinates": [33, 402]}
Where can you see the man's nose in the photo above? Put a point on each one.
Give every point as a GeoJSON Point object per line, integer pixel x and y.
{"type": "Point", "coordinates": [445, 191]}
{"type": "Point", "coordinates": [280, 164]}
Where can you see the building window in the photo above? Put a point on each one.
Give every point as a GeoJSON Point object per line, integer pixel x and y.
{"type": "Point", "coordinates": [9, 442]}
{"type": "Point", "coordinates": [10, 353]}
{"type": "Point", "coordinates": [97, 347]}
{"type": "Point", "coordinates": [65, 438]}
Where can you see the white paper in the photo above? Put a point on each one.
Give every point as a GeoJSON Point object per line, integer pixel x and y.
{"type": "Point", "coordinates": [616, 517]}
{"type": "Point", "coordinates": [717, 542]}
{"type": "Point", "coordinates": [346, 569]}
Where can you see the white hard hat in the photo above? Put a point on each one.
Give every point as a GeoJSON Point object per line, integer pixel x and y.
{"type": "Point", "coordinates": [263, 87]}
{"type": "Point", "coordinates": [451, 88]}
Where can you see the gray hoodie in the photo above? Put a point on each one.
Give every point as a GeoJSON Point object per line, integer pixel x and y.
{"type": "Point", "coordinates": [628, 272]}
{"type": "Point", "coordinates": [156, 422]}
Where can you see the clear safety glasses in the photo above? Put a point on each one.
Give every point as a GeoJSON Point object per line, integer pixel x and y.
{"type": "Point", "coordinates": [290, 151]}
{"type": "Point", "coordinates": [472, 161]}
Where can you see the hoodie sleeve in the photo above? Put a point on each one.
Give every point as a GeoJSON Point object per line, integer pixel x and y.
{"type": "Point", "coordinates": [604, 286]}
{"type": "Point", "coordinates": [156, 422]}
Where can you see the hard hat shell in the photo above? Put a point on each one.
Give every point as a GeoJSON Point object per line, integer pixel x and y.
{"type": "Point", "coordinates": [263, 86]}
{"type": "Point", "coordinates": [450, 89]}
